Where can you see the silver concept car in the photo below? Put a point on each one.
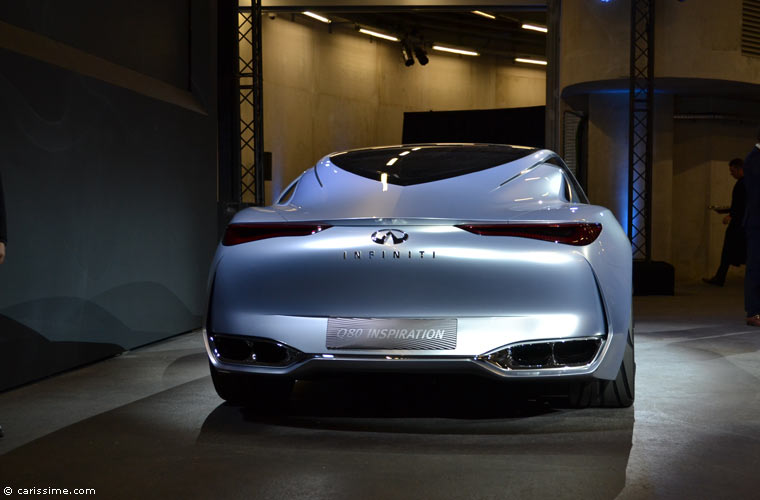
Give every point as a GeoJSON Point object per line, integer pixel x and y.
{"type": "Point", "coordinates": [432, 258]}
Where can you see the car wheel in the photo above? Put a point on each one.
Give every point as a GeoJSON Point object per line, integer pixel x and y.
{"type": "Point", "coordinates": [618, 393]}
{"type": "Point", "coordinates": [245, 389]}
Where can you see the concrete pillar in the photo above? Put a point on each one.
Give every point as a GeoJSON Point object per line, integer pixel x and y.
{"type": "Point", "coordinates": [608, 153]}
{"type": "Point", "coordinates": [662, 179]}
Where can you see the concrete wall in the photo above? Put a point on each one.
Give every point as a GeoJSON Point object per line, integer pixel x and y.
{"type": "Point", "coordinates": [693, 39]}
{"type": "Point", "coordinates": [109, 169]}
{"type": "Point", "coordinates": [702, 150]}
{"type": "Point", "coordinates": [330, 91]}
{"type": "Point", "coordinates": [595, 41]}
{"type": "Point", "coordinates": [698, 39]}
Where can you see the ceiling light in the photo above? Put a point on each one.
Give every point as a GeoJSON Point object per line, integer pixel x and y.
{"type": "Point", "coordinates": [455, 51]}
{"type": "Point", "coordinates": [378, 35]}
{"type": "Point", "coordinates": [316, 16]}
{"type": "Point", "coordinates": [530, 61]}
{"type": "Point", "coordinates": [535, 27]}
{"type": "Point", "coordinates": [484, 14]}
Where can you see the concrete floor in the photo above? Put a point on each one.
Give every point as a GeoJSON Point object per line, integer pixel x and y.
{"type": "Point", "coordinates": [148, 424]}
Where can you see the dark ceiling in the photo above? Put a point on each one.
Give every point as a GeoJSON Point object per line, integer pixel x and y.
{"type": "Point", "coordinates": [502, 36]}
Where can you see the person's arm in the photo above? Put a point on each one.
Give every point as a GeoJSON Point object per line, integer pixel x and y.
{"type": "Point", "coordinates": [719, 209]}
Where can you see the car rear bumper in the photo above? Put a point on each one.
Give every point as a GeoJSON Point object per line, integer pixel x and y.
{"type": "Point", "coordinates": [311, 365]}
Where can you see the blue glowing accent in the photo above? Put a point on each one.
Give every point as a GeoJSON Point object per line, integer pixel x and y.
{"type": "Point", "coordinates": [621, 189]}
{"type": "Point", "coordinates": [623, 91]}
{"type": "Point", "coordinates": [624, 213]}
{"type": "Point", "coordinates": [611, 91]}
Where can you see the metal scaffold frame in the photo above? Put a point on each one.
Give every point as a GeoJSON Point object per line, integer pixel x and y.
{"type": "Point", "coordinates": [250, 114]}
{"type": "Point", "coordinates": [640, 133]}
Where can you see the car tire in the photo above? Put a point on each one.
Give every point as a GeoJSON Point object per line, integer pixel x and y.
{"type": "Point", "coordinates": [243, 389]}
{"type": "Point", "coordinates": [618, 393]}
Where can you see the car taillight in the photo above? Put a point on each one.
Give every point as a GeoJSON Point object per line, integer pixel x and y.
{"type": "Point", "coordinates": [246, 232]}
{"type": "Point", "coordinates": [574, 233]}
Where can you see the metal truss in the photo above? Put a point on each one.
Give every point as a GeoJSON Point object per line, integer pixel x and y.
{"type": "Point", "coordinates": [248, 79]}
{"type": "Point", "coordinates": [640, 132]}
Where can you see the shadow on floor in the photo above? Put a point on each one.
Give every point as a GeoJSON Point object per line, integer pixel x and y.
{"type": "Point", "coordinates": [423, 433]}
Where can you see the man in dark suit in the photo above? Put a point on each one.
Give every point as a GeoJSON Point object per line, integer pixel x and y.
{"type": "Point", "coordinates": [752, 231]}
{"type": "Point", "coordinates": [734, 243]}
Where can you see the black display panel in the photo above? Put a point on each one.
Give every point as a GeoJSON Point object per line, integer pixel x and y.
{"type": "Point", "coordinates": [518, 126]}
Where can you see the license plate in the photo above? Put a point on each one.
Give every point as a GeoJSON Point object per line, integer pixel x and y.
{"type": "Point", "coordinates": [391, 334]}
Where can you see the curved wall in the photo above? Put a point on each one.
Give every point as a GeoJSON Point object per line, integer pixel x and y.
{"type": "Point", "coordinates": [694, 39]}
{"type": "Point", "coordinates": [109, 171]}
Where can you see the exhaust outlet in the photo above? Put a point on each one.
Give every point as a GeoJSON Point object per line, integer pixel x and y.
{"type": "Point", "coordinates": [252, 351]}
{"type": "Point", "coordinates": [567, 353]}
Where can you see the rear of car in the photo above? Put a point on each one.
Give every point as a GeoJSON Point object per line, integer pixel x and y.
{"type": "Point", "coordinates": [469, 259]}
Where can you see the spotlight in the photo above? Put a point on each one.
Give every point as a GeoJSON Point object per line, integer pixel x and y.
{"type": "Point", "coordinates": [406, 53]}
{"type": "Point", "coordinates": [420, 54]}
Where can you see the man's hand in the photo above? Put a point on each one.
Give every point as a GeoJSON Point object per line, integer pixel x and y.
{"type": "Point", "coordinates": [726, 219]}
{"type": "Point", "coordinates": [2, 252]}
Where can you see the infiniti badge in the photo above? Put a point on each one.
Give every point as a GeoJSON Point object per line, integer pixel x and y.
{"type": "Point", "coordinates": [388, 236]}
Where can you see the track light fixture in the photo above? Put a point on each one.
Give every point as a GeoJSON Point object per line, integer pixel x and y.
{"type": "Point", "coordinates": [406, 52]}
{"type": "Point", "coordinates": [411, 47]}
{"type": "Point", "coordinates": [420, 54]}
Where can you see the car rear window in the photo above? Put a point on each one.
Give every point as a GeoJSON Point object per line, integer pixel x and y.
{"type": "Point", "coordinates": [417, 164]}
